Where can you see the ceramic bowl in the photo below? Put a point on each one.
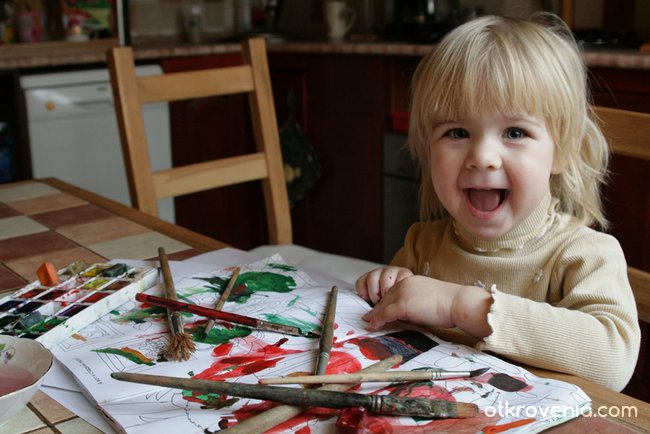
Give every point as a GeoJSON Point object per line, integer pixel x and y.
{"type": "Point", "coordinates": [27, 354]}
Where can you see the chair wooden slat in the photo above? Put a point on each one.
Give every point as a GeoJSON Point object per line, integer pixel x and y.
{"type": "Point", "coordinates": [253, 79]}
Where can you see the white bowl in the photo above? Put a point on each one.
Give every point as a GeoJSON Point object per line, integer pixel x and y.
{"type": "Point", "coordinates": [30, 355]}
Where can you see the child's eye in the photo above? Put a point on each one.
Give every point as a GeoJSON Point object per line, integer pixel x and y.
{"type": "Point", "coordinates": [457, 133]}
{"type": "Point", "coordinates": [514, 133]}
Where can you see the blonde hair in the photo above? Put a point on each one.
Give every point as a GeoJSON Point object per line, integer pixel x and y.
{"type": "Point", "coordinates": [514, 66]}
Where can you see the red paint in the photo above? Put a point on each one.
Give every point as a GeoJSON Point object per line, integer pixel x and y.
{"type": "Point", "coordinates": [222, 350]}
{"type": "Point", "coordinates": [254, 361]}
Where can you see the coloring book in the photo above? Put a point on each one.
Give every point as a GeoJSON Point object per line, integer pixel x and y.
{"type": "Point", "coordinates": [133, 337]}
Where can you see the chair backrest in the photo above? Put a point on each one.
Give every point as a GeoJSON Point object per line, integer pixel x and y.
{"type": "Point", "coordinates": [252, 77]}
{"type": "Point", "coordinates": [628, 133]}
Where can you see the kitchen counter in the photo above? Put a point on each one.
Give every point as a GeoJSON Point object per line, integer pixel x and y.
{"type": "Point", "coordinates": [25, 56]}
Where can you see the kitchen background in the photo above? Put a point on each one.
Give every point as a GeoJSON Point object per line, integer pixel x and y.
{"type": "Point", "coordinates": [46, 20]}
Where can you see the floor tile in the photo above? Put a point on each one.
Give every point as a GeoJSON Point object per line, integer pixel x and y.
{"type": "Point", "coordinates": [99, 231]}
{"type": "Point", "coordinates": [43, 204]}
{"type": "Point", "coordinates": [50, 409]}
{"type": "Point", "coordinates": [33, 244]}
{"type": "Point", "coordinates": [11, 227]}
{"type": "Point", "coordinates": [9, 280]}
{"type": "Point", "coordinates": [24, 420]}
{"type": "Point", "coordinates": [77, 426]}
{"type": "Point", "coordinates": [71, 216]}
{"type": "Point", "coordinates": [45, 430]}
{"type": "Point", "coordinates": [6, 211]}
{"type": "Point", "coordinates": [28, 190]}
{"type": "Point", "coordinates": [140, 246]}
{"type": "Point", "coordinates": [27, 266]}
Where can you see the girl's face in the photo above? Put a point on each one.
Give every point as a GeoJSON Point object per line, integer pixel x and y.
{"type": "Point", "coordinates": [491, 172]}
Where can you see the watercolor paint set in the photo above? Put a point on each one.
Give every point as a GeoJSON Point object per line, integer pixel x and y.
{"type": "Point", "coordinates": [51, 313]}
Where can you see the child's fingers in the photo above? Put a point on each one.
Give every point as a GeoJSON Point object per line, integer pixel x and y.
{"type": "Point", "coordinates": [382, 314]}
{"type": "Point", "coordinates": [367, 286]}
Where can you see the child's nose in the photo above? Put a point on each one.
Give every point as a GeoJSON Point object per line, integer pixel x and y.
{"type": "Point", "coordinates": [484, 155]}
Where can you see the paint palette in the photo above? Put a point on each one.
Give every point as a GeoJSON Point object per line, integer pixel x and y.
{"type": "Point", "coordinates": [50, 314]}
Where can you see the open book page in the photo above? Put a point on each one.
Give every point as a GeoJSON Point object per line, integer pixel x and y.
{"type": "Point", "coordinates": [133, 337]}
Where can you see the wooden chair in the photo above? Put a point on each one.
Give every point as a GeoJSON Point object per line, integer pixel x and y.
{"type": "Point", "coordinates": [628, 134]}
{"type": "Point", "coordinates": [252, 78]}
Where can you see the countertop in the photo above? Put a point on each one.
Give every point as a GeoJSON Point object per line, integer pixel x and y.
{"type": "Point", "coordinates": [56, 54]}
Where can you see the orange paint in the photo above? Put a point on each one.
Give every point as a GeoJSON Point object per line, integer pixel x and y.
{"type": "Point", "coordinates": [47, 274]}
{"type": "Point", "coordinates": [494, 429]}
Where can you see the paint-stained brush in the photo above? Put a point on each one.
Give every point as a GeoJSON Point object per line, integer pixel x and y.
{"type": "Point", "coordinates": [391, 376]}
{"type": "Point", "coordinates": [379, 404]}
{"type": "Point", "coordinates": [180, 346]}
{"type": "Point", "coordinates": [327, 335]}
{"type": "Point", "coordinates": [224, 297]}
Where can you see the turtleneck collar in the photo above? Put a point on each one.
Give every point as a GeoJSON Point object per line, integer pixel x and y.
{"type": "Point", "coordinates": [532, 228]}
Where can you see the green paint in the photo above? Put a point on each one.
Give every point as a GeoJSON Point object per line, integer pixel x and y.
{"type": "Point", "coordinates": [252, 282]}
{"type": "Point", "coordinates": [46, 325]}
{"type": "Point", "coordinates": [2, 347]}
{"type": "Point", "coordinates": [302, 325]}
{"type": "Point", "coordinates": [218, 335]}
{"type": "Point", "coordinates": [283, 267]}
{"type": "Point", "coordinates": [126, 354]}
{"type": "Point", "coordinates": [140, 316]}
{"type": "Point", "coordinates": [210, 400]}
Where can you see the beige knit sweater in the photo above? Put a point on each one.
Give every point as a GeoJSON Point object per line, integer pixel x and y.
{"type": "Point", "coordinates": [561, 297]}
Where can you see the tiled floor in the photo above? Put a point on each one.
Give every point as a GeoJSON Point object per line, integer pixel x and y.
{"type": "Point", "coordinates": [38, 223]}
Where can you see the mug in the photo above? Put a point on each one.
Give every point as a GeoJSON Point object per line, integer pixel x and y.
{"type": "Point", "coordinates": [339, 18]}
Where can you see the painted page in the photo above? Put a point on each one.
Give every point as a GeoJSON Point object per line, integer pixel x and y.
{"type": "Point", "coordinates": [133, 338]}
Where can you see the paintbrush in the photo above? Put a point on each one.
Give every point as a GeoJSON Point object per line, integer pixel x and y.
{"type": "Point", "coordinates": [224, 297]}
{"type": "Point", "coordinates": [392, 376]}
{"type": "Point", "coordinates": [247, 321]}
{"type": "Point", "coordinates": [266, 420]}
{"type": "Point", "coordinates": [379, 404]}
{"type": "Point", "coordinates": [180, 346]}
{"type": "Point", "coordinates": [327, 335]}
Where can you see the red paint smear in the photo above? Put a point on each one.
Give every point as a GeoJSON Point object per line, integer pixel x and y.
{"type": "Point", "coordinates": [257, 360]}
{"type": "Point", "coordinates": [371, 348]}
{"type": "Point", "coordinates": [342, 363]}
{"type": "Point", "coordinates": [222, 350]}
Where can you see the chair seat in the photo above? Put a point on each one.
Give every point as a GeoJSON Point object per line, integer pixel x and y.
{"type": "Point", "coordinates": [342, 267]}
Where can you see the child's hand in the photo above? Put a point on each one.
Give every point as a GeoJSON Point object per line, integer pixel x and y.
{"type": "Point", "coordinates": [433, 303]}
{"type": "Point", "coordinates": [374, 284]}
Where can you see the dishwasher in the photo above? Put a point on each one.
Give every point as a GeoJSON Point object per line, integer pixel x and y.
{"type": "Point", "coordinates": [73, 132]}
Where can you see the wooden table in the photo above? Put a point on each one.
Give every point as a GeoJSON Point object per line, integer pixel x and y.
{"type": "Point", "coordinates": [49, 219]}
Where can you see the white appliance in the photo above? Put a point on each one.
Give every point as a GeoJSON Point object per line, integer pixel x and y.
{"type": "Point", "coordinates": [74, 136]}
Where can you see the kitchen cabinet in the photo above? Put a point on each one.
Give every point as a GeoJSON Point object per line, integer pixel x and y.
{"type": "Point", "coordinates": [342, 110]}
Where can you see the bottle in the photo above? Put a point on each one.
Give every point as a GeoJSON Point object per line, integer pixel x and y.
{"type": "Point", "coordinates": [195, 24]}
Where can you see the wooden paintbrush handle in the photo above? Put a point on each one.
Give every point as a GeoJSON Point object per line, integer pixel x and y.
{"type": "Point", "coordinates": [168, 281]}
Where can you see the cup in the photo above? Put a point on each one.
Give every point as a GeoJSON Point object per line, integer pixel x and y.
{"type": "Point", "coordinates": [340, 19]}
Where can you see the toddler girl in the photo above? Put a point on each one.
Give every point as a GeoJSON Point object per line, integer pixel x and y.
{"type": "Point", "coordinates": [511, 162]}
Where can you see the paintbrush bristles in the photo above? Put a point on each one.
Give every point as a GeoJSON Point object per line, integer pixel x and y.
{"type": "Point", "coordinates": [180, 346]}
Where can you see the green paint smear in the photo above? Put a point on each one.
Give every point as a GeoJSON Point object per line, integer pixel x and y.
{"type": "Point", "coordinates": [283, 267]}
{"type": "Point", "coordinates": [2, 347]}
{"type": "Point", "coordinates": [140, 316]}
{"type": "Point", "coordinates": [132, 357]}
{"type": "Point", "coordinates": [46, 324]}
{"type": "Point", "coordinates": [253, 281]}
{"type": "Point", "coordinates": [302, 325]}
{"type": "Point", "coordinates": [211, 400]}
{"type": "Point", "coordinates": [217, 335]}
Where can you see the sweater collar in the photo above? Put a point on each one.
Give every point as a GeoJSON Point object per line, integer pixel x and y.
{"type": "Point", "coordinates": [534, 227]}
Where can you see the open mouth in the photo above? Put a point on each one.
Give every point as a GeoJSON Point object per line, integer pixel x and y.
{"type": "Point", "coordinates": [486, 200]}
